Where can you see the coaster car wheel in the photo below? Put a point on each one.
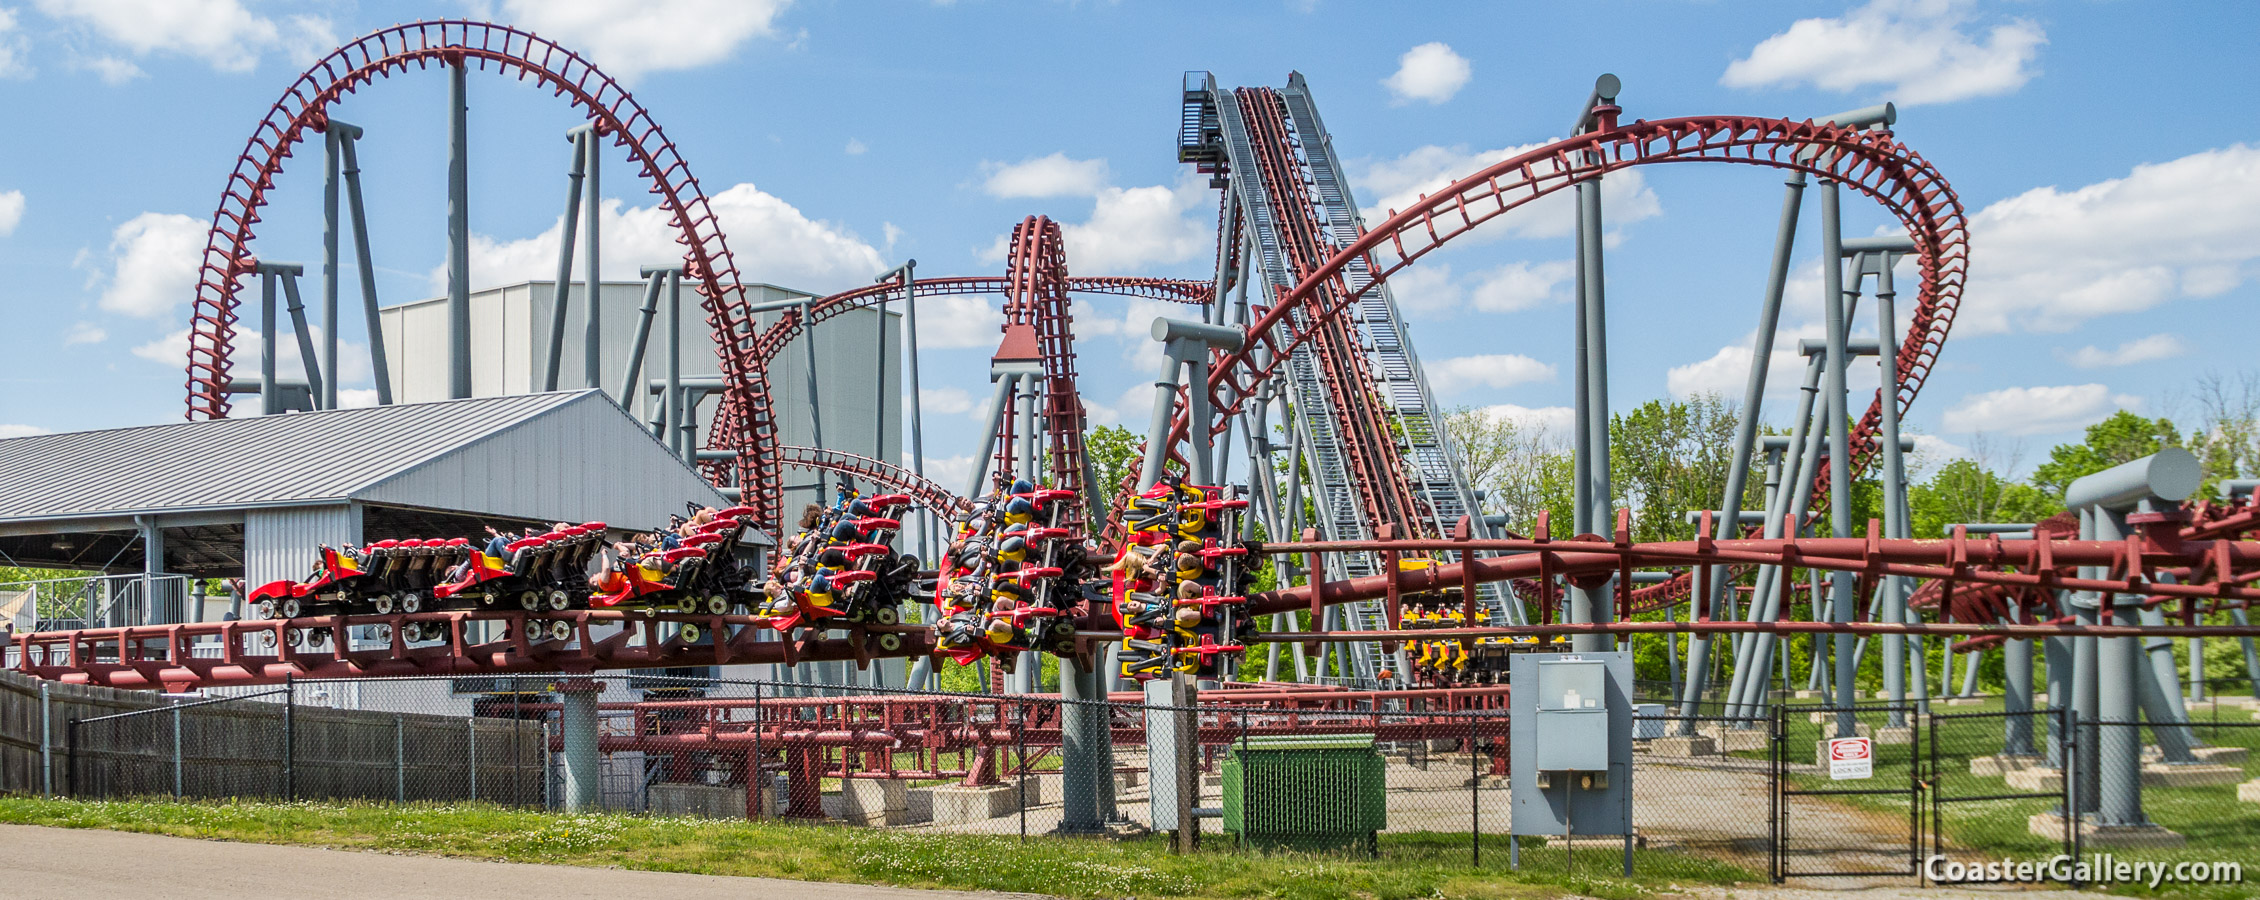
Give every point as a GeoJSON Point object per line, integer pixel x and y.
{"type": "Point", "coordinates": [686, 604]}
{"type": "Point", "coordinates": [535, 631]}
{"type": "Point", "coordinates": [381, 633]}
{"type": "Point", "coordinates": [290, 607]}
{"type": "Point", "coordinates": [560, 630]}
{"type": "Point", "coordinates": [266, 609]}
{"type": "Point", "coordinates": [265, 640]}
{"type": "Point", "coordinates": [559, 601]}
{"type": "Point", "coordinates": [382, 604]}
{"type": "Point", "coordinates": [886, 615]}
{"type": "Point", "coordinates": [409, 602]}
{"type": "Point", "coordinates": [529, 600]}
{"type": "Point", "coordinates": [718, 605]}
{"type": "Point", "coordinates": [890, 642]}
{"type": "Point", "coordinates": [691, 632]}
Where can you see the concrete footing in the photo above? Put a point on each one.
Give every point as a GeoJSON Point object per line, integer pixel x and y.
{"type": "Point", "coordinates": [2000, 765]}
{"type": "Point", "coordinates": [2249, 792]}
{"type": "Point", "coordinates": [707, 801]}
{"type": "Point", "coordinates": [2051, 826]}
{"type": "Point", "coordinates": [1900, 734]}
{"type": "Point", "coordinates": [1690, 745]}
{"type": "Point", "coordinates": [2189, 774]}
{"type": "Point", "coordinates": [2036, 780]}
{"type": "Point", "coordinates": [957, 804]}
{"type": "Point", "coordinates": [874, 801]}
{"type": "Point", "coordinates": [1974, 700]}
{"type": "Point", "coordinates": [1729, 740]}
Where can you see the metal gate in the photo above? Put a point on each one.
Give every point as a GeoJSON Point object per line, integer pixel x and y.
{"type": "Point", "coordinates": [1827, 825]}
{"type": "Point", "coordinates": [1995, 759]}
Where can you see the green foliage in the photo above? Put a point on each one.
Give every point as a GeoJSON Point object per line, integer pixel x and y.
{"type": "Point", "coordinates": [2122, 437]}
{"type": "Point", "coordinates": [1113, 449]}
{"type": "Point", "coordinates": [1963, 490]}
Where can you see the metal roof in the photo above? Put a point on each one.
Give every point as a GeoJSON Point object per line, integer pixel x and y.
{"type": "Point", "coordinates": [253, 461]}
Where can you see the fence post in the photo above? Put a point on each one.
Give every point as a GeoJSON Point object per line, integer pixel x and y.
{"type": "Point", "coordinates": [2073, 747]}
{"type": "Point", "coordinates": [176, 753]}
{"type": "Point", "coordinates": [471, 752]}
{"type": "Point", "coordinates": [1020, 742]}
{"type": "Point", "coordinates": [70, 753]}
{"type": "Point", "coordinates": [46, 742]}
{"type": "Point", "coordinates": [755, 771]}
{"type": "Point", "coordinates": [1474, 794]}
{"type": "Point", "coordinates": [399, 759]}
{"type": "Point", "coordinates": [290, 738]}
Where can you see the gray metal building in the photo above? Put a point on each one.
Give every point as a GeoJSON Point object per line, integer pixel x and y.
{"type": "Point", "coordinates": [253, 497]}
{"type": "Point", "coordinates": [510, 350]}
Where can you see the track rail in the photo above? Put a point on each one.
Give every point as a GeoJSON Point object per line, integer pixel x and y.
{"type": "Point", "coordinates": [885, 475]}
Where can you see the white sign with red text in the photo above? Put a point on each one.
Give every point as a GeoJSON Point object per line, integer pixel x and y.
{"type": "Point", "coordinates": [1852, 757]}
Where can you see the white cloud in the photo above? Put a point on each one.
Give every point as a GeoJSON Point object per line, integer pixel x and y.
{"type": "Point", "coordinates": [356, 398]}
{"type": "Point", "coordinates": [1430, 72]}
{"type": "Point", "coordinates": [1496, 370]}
{"type": "Point", "coordinates": [771, 240]}
{"type": "Point", "coordinates": [1931, 452]}
{"type": "Point", "coordinates": [155, 258]}
{"type": "Point", "coordinates": [1553, 420]}
{"type": "Point", "coordinates": [947, 401]}
{"type": "Point", "coordinates": [2145, 349]}
{"type": "Point", "coordinates": [111, 69]}
{"type": "Point", "coordinates": [1046, 176]}
{"type": "Point", "coordinates": [1132, 409]}
{"type": "Point", "coordinates": [950, 471]}
{"type": "Point", "coordinates": [1918, 51]}
{"type": "Point", "coordinates": [84, 333]}
{"type": "Point", "coordinates": [1396, 184]}
{"type": "Point", "coordinates": [2052, 259]}
{"type": "Point", "coordinates": [171, 349]}
{"type": "Point", "coordinates": [959, 322]}
{"type": "Point", "coordinates": [13, 46]}
{"type": "Point", "coordinates": [1513, 287]}
{"type": "Point", "coordinates": [2035, 410]}
{"type": "Point", "coordinates": [630, 37]}
{"type": "Point", "coordinates": [220, 33]}
{"type": "Point", "coordinates": [17, 431]}
{"type": "Point", "coordinates": [855, 147]}
{"type": "Point", "coordinates": [1133, 229]}
{"type": "Point", "coordinates": [11, 211]}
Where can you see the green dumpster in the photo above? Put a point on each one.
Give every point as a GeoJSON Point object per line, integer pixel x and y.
{"type": "Point", "coordinates": [1306, 793]}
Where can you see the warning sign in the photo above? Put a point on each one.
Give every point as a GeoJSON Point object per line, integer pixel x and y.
{"type": "Point", "coordinates": [1852, 757]}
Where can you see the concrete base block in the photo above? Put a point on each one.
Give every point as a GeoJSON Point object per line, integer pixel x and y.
{"type": "Point", "coordinates": [2249, 792]}
{"type": "Point", "coordinates": [1810, 695]}
{"type": "Point", "coordinates": [1966, 701]}
{"type": "Point", "coordinates": [2189, 774]}
{"type": "Point", "coordinates": [2051, 826]}
{"type": "Point", "coordinates": [1124, 781]}
{"type": "Point", "coordinates": [2223, 755]}
{"type": "Point", "coordinates": [1693, 745]}
{"type": "Point", "coordinates": [1895, 735]}
{"type": "Point", "coordinates": [1999, 765]}
{"type": "Point", "coordinates": [2037, 780]}
{"type": "Point", "coordinates": [705, 801]}
{"type": "Point", "coordinates": [957, 804]}
{"type": "Point", "coordinates": [874, 801]}
{"type": "Point", "coordinates": [1730, 740]}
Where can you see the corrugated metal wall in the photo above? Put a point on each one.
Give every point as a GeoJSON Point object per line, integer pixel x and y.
{"type": "Point", "coordinates": [586, 461]}
{"type": "Point", "coordinates": [280, 543]}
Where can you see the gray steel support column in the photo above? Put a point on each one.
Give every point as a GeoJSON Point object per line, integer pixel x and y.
{"type": "Point", "coordinates": [331, 163]}
{"type": "Point", "coordinates": [682, 412]}
{"type": "Point", "coordinates": [156, 597]}
{"type": "Point", "coordinates": [1894, 598]}
{"type": "Point", "coordinates": [879, 382]}
{"type": "Point", "coordinates": [928, 541]}
{"type": "Point", "coordinates": [2016, 697]}
{"type": "Point", "coordinates": [1593, 604]}
{"type": "Point", "coordinates": [458, 236]}
{"type": "Point", "coordinates": [1031, 388]}
{"type": "Point", "coordinates": [592, 301]}
{"type": "Point", "coordinates": [568, 235]}
{"type": "Point", "coordinates": [269, 404]}
{"type": "Point", "coordinates": [2104, 500]}
{"type": "Point", "coordinates": [2251, 658]}
{"type": "Point", "coordinates": [999, 399]}
{"type": "Point", "coordinates": [576, 726]}
{"type": "Point", "coordinates": [1197, 418]}
{"type": "Point", "coordinates": [2197, 667]}
{"type": "Point", "coordinates": [1839, 447]}
{"type": "Point", "coordinates": [2160, 694]}
{"type": "Point", "coordinates": [1745, 439]}
{"type": "Point", "coordinates": [306, 358]}
{"type": "Point", "coordinates": [1157, 425]}
{"type": "Point", "coordinates": [370, 311]}
{"type": "Point", "coordinates": [2056, 652]}
{"type": "Point", "coordinates": [631, 379]}
{"type": "Point", "coordinates": [1084, 741]}
{"type": "Point", "coordinates": [1187, 343]}
{"type": "Point", "coordinates": [815, 411]}
{"type": "Point", "coordinates": [1753, 659]}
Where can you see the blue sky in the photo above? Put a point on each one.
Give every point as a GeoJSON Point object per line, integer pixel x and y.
{"type": "Point", "coordinates": [2105, 152]}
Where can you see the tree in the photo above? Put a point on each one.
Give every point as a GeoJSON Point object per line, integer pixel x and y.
{"type": "Point", "coordinates": [1113, 449]}
{"type": "Point", "coordinates": [1666, 458]}
{"type": "Point", "coordinates": [2227, 443]}
{"type": "Point", "coordinates": [1521, 467]}
{"type": "Point", "coordinates": [2122, 437]}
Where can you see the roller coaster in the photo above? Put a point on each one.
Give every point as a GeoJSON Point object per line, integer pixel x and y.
{"type": "Point", "coordinates": [1364, 519]}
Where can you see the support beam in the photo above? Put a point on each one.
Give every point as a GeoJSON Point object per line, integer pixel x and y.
{"type": "Point", "coordinates": [373, 314]}
{"type": "Point", "coordinates": [458, 236]}
{"type": "Point", "coordinates": [562, 293]}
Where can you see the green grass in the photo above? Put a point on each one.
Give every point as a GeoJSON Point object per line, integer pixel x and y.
{"type": "Point", "coordinates": [1409, 866]}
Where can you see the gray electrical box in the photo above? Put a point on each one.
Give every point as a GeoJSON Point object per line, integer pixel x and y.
{"type": "Point", "coordinates": [1574, 710]}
